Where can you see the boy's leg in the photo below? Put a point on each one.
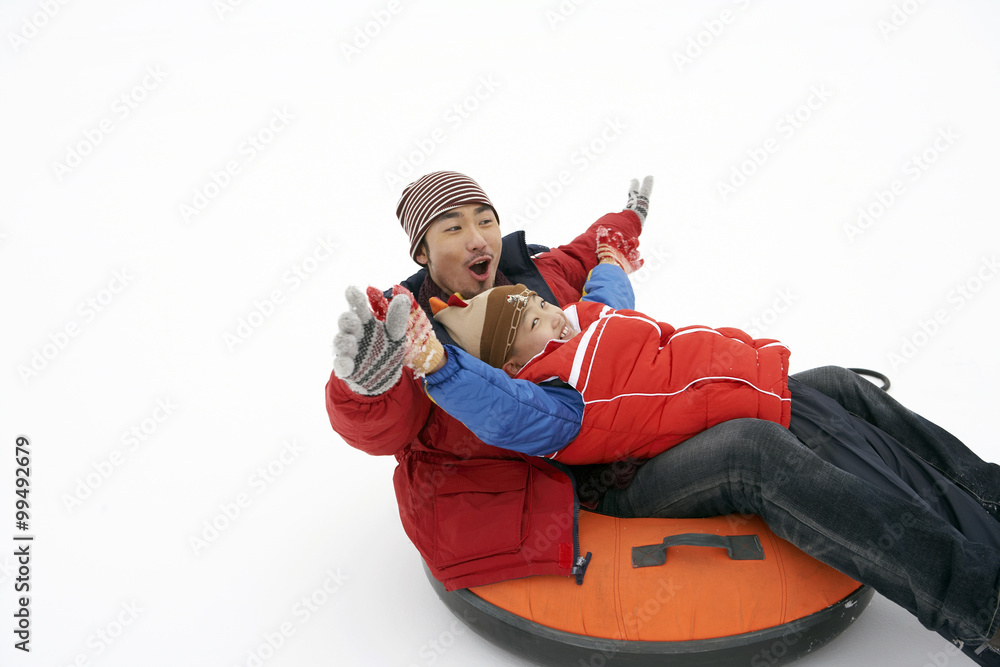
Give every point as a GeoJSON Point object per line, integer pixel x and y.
{"type": "Point", "coordinates": [748, 466]}
{"type": "Point", "coordinates": [923, 438]}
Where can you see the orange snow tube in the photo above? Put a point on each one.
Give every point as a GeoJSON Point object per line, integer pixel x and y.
{"type": "Point", "coordinates": [716, 591]}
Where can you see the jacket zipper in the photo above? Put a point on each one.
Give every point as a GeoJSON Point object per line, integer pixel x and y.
{"type": "Point", "coordinates": [580, 563]}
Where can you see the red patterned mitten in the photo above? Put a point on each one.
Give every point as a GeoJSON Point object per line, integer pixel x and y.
{"type": "Point", "coordinates": [616, 248]}
{"type": "Point", "coordinates": [424, 351]}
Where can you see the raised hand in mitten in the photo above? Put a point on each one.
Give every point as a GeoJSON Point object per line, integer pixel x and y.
{"type": "Point", "coordinates": [424, 352]}
{"type": "Point", "coordinates": [369, 350]}
{"type": "Point", "coordinates": [638, 198]}
{"type": "Point", "coordinates": [615, 248]}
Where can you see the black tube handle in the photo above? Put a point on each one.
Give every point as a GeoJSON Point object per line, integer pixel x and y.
{"type": "Point", "coordinates": [740, 547]}
{"type": "Point", "coordinates": [874, 374]}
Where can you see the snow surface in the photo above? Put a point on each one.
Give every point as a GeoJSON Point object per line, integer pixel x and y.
{"type": "Point", "coordinates": [131, 290]}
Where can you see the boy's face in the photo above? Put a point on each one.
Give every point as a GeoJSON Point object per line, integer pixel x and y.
{"type": "Point", "coordinates": [541, 322]}
{"type": "Point", "coordinates": [461, 250]}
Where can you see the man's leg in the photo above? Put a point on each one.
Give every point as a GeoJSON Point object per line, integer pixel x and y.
{"type": "Point", "coordinates": [866, 451]}
{"type": "Point", "coordinates": [923, 438]}
{"type": "Point", "coordinates": [881, 538]}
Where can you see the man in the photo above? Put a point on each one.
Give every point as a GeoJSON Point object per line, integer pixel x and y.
{"type": "Point", "coordinates": [857, 480]}
{"type": "Point", "coordinates": [477, 514]}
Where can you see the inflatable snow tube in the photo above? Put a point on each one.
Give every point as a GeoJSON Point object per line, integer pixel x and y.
{"type": "Point", "coordinates": [718, 591]}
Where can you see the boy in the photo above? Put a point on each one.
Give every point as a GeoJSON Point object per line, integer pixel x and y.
{"type": "Point", "coordinates": [644, 385]}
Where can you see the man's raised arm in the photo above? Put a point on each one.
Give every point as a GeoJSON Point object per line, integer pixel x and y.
{"type": "Point", "coordinates": [574, 260]}
{"type": "Point", "coordinates": [372, 401]}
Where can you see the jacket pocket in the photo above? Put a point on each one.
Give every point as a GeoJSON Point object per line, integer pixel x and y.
{"type": "Point", "coordinates": [479, 510]}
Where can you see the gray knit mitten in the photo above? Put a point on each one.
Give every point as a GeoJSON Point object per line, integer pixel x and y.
{"type": "Point", "coordinates": [638, 197]}
{"type": "Point", "coordinates": [369, 351]}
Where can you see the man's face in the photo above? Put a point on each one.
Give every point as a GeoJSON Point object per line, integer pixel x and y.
{"type": "Point", "coordinates": [461, 250]}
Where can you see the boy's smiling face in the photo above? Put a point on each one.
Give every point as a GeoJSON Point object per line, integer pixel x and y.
{"type": "Point", "coordinates": [540, 322]}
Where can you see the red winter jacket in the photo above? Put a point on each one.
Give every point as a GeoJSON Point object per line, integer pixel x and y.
{"type": "Point", "coordinates": [477, 514]}
{"type": "Point", "coordinates": [647, 386]}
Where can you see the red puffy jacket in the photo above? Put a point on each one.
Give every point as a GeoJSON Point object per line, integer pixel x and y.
{"type": "Point", "coordinates": [477, 514]}
{"type": "Point", "coordinates": [647, 386]}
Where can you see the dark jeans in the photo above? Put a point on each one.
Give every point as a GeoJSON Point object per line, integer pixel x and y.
{"type": "Point", "coordinates": [858, 482]}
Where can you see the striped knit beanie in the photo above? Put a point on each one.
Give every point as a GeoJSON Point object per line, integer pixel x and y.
{"type": "Point", "coordinates": [430, 196]}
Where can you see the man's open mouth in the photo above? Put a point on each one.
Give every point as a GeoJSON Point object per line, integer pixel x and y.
{"type": "Point", "coordinates": [481, 268]}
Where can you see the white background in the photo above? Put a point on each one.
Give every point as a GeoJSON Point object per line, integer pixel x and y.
{"type": "Point", "coordinates": [134, 270]}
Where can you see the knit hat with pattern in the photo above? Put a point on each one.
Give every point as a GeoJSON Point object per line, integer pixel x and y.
{"type": "Point", "coordinates": [429, 196]}
{"type": "Point", "coordinates": [485, 325]}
